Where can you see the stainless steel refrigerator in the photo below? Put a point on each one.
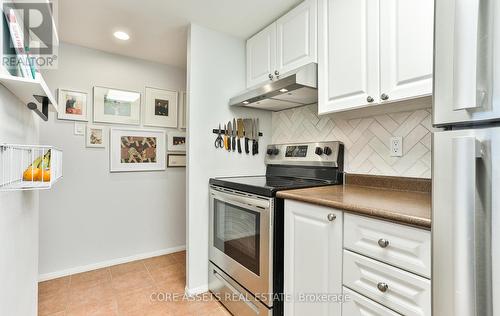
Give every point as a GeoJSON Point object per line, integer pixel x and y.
{"type": "Point", "coordinates": [466, 159]}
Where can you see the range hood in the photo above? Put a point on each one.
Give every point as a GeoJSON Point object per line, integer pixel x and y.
{"type": "Point", "coordinates": [296, 88]}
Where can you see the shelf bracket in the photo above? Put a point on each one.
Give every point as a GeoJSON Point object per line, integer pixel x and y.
{"type": "Point", "coordinates": [44, 114]}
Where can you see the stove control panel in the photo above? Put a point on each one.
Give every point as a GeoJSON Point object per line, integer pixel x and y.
{"type": "Point", "coordinates": [329, 154]}
{"type": "Point", "coordinates": [299, 151]}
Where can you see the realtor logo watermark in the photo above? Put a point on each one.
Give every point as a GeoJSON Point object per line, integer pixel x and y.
{"type": "Point", "coordinates": [29, 36]}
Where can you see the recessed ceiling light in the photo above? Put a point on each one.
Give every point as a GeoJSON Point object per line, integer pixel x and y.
{"type": "Point", "coordinates": [121, 35]}
{"type": "Point", "coordinates": [245, 102]}
{"type": "Point", "coordinates": [283, 90]}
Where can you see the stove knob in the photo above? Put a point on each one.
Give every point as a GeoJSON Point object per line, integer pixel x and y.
{"type": "Point", "coordinates": [319, 151]}
{"type": "Point", "coordinates": [327, 151]}
{"type": "Point", "coordinates": [269, 151]}
{"type": "Point", "coordinates": [276, 151]}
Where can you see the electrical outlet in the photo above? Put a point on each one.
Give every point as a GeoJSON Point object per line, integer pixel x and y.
{"type": "Point", "coordinates": [396, 146]}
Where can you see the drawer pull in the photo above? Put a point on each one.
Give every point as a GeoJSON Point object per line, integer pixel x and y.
{"type": "Point", "coordinates": [331, 217]}
{"type": "Point", "coordinates": [383, 243]}
{"type": "Point", "coordinates": [382, 287]}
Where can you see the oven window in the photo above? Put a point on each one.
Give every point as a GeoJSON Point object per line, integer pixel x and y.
{"type": "Point", "coordinates": [237, 234]}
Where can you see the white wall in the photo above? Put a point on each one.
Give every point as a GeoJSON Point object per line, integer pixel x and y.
{"type": "Point", "coordinates": [18, 218]}
{"type": "Point", "coordinates": [93, 217]}
{"type": "Point", "coordinates": [216, 72]}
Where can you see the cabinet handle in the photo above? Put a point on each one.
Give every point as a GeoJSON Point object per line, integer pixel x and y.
{"type": "Point", "coordinates": [383, 243]}
{"type": "Point", "coordinates": [369, 99]}
{"type": "Point", "coordinates": [277, 73]}
{"type": "Point", "coordinates": [271, 76]}
{"type": "Point", "coordinates": [382, 287]}
{"type": "Point", "coordinates": [331, 217]}
{"type": "Point", "coordinates": [384, 96]}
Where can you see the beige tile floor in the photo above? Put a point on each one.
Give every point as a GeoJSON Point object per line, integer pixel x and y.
{"type": "Point", "coordinates": [126, 289]}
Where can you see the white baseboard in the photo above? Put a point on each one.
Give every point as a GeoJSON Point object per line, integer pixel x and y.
{"type": "Point", "coordinates": [108, 263]}
{"type": "Point", "coordinates": [197, 290]}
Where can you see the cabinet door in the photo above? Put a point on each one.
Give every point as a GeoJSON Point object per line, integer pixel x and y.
{"type": "Point", "coordinates": [297, 37]}
{"type": "Point", "coordinates": [261, 56]}
{"type": "Point", "coordinates": [313, 258]}
{"type": "Point", "coordinates": [348, 54]}
{"type": "Point", "coordinates": [406, 48]}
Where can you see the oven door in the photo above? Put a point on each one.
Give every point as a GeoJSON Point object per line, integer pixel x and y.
{"type": "Point", "coordinates": [241, 238]}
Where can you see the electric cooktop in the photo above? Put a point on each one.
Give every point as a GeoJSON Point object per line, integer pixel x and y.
{"type": "Point", "coordinates": [267, 185]}
{"type": "Point", "coordinates": [292, 166]}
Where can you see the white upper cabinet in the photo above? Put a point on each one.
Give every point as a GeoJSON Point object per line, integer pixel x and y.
{"type": "Point", "coordinates": [373, 51]}
{"type": "Point", "coordinates": [348, 69]}
{"type": "Point", "coordinates": [287, 44]}
{"type": "Point", "coordinates": [261, 56]}
{"type": "Point", "coordinates": [406, 48]}
{"type": "Point", "coordinates": [297, 37]}
{"type": "Point", "coordinates": [313, 258]}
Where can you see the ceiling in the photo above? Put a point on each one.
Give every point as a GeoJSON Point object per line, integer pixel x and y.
{"type": "Point", "coordinates": [158, 28]}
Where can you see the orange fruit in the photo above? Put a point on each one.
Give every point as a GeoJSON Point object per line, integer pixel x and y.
{"type": "Point", "coordinates": [32, 174]}
{"type": "Point", "coordinates": [44, 176]}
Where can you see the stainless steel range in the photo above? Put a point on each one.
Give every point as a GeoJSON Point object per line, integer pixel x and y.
{"type": "Point", "coordinates": [246, 225]}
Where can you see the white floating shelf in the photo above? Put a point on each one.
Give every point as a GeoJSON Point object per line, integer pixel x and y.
{"type": "Point", "coordinates": [29, 90]}
{"type": "Point", "coordinates": [17, 172]}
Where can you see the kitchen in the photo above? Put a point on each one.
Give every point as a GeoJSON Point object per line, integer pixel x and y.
{"type": "Point", "coordinates": [311, 159]}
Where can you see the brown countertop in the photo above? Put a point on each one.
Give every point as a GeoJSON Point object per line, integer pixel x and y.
{"type": "Point", "coordinates": [405, 207]}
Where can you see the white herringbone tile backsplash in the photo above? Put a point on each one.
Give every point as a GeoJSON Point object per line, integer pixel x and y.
{"type": "Point", "coordinates": [366, 139]}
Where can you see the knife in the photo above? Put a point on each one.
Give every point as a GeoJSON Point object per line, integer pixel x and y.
{"type": "Point", "coordinates": [248, 133]}
{"type": "Point", "coordinates": [256, 138]}
{"type": "Point", "coordinates": [229, 133]}
{"type": "Point", "coordinates": [225, 136]}
{"type": "Point", "coordinates": [240, 133]}
{"type": "Point", "coordinates": [233, 135]}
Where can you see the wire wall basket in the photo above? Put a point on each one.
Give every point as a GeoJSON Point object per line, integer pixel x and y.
{"type": "Point", "coordinates": [25, 167]}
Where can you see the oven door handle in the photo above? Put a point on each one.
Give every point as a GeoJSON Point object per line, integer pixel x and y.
{"type": "Point", "coordinates": [243, 201]}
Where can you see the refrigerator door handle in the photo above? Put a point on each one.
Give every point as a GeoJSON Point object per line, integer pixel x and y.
{"type": "Point", "coordinates": [465, 151]}
{"type": "Point", "coordinates": [465, 59]}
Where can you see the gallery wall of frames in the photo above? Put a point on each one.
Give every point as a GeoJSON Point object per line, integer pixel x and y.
{"type": "Point", "coordinates": [131, 125]}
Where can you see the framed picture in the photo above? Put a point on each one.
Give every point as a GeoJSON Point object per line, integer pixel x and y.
{"type": "Point", "coordinates": [136, 150]}
{"type": "Point", "coordinates": [116, 106]}
{"type": "Point", "coordinates": [96, 136]}
{"type": "Point", "coordinates": [176, 160]}
{"type": "Point", "coordinates": [73, 105]}
{"type": "Point", "coordinates": [79, 129]}
{"type": "Point", "coordinates": [160, 108]}
{"type": "Point", "coordinates": [176, 141]}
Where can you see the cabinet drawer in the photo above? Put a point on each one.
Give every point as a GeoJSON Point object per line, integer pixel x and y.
{"type": "Point", "coordinates": [358, 305]}
{"type": "Point", "coordinates": [405, 292]}
{"type": "Point", "coordinates": [406, 247]}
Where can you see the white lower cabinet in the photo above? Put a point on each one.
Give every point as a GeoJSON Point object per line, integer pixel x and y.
{"type": "Point", "coordinates": [358, 305]}
{"type": "Point", "coordinates": [313, 259]}
{"type": "Point", "coordinates": [375, 264]}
